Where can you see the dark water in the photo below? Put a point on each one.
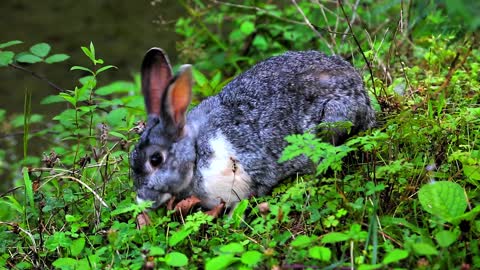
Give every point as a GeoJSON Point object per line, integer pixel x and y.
{"type": "Point", "coordinates": [121, 30]}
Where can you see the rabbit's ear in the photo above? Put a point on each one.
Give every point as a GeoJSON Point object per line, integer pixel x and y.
{"type": "Point", "coordinates": [156, 76]}
{"type": "Point", "coordinates": [178, 96]}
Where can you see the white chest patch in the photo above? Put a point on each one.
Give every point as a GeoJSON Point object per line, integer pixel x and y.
{"type": "Point", "coordinates": [224, 178]}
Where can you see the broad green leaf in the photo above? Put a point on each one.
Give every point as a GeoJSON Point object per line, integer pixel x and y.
{"type": "Point", "coordinates": [220, 262]}
{"type": "Point", "coordinates": [320, 253]}
{"type": "Point", "coordinates": [251, 257]}
{"type": "Point", "coordinates": [156, 251]}
{"type": "Point", "coordinates": [446, 238]}
{"type": "Point", "coordinates": [56, 58]}
{"type": "Point", "coordinates": [68, 98]}
{"type": "Point", "coordinates": [77, 246]}
{"type": "Point", "coordinates": [472, 171]}
{"type": "Point", "coordinates": [72, 218]}
{"type": "Point", "coordinates": [470, 215]}
{"type": "Point", "coordinates": [119, 87]}
{"type": "Point", "coordinates": [28, 58]}
{"type": "Point", "coordinates": [10, 43]}
{"type": "Point", "coordinates": [247, 27]}
{"type": "Point", "coordinates": [395, 255]}
{"type": "Point", "coordinates": [116, 117]}
{"type": "Point", "coordinates": [261, 43]}
{"type": "Point", "coordinates": [52, 99]}
{"type": "Point", "coordinates": [124, 208]}
{"type": "Point", "coordinates": [6, 58]}
{"type": "Point", "coordinates": [424, 249]}
{"type": "Point", "coordinates": [444, 199]}
{"type": "Point", "coordinates": [334, 237]}
{"type": "Point", "coordinates": [58, 239]}
{"type": "Point", "coordinates": [65, 263]}
{"type": "Point", "coordinates": [370, 266]}
{"type": "Point", "coordinates": [118, 135]}
{"type": "Point", "coordinates": [178, 236]}
{"type": "Point", "coordinates": [176, 259]}
{"type": "Point", "coordinates": [40, 49]}
{"type": "Point", "coordinates": [232, 248]}
{"type": "Point", "coordinates": [301, 241]}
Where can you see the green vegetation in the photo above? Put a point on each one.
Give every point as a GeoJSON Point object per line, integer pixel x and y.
{"type": "Point", "coordinates": [403, 195]}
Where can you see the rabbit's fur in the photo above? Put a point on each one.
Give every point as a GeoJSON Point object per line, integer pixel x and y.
{"type": "Point", "coordinates": [227, 148]}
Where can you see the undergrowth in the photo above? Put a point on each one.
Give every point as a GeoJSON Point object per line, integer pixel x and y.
{"type": "Point", "coordinates": [403, 195]}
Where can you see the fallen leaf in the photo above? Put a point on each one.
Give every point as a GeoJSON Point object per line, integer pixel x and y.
{"type": "Point", "coordinates": [215, 212]}
{"type": "Point", "coordinates": [185, 205]}
{"type": "Point", "coordinates": [143, 220]}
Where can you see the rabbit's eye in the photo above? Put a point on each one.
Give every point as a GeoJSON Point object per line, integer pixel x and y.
{"type": "Point", "coordinates": [156, 159]}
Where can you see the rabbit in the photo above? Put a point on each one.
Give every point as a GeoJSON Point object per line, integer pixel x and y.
{"type": "Point", "coordinates": [227, 147]}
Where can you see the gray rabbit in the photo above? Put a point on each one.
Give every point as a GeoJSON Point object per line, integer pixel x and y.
{"type": "Point", "coordinates": [227, 148]}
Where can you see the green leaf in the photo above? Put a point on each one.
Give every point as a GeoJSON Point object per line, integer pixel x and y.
{"type": "Point", "coordinates": [65, 263]}
{"type": "Point", "coordinates": [247, 27]}
{"type": "Point", "coordinates": [239, 211]}
{"type": "Point", "coordinates": [102, 69]}
{"type": "Point", "coordinates": [28, 58]}
{"type": "Point", "coordinates": [178, 236]}
{"type": "Point", "coordinates": [119, 87]}
{"type": "Point", "coordinates": [220, 262]}
{"type": "Point", "coordinates": [58, 239]}
{"type": "Point", "coordinates": [301, 241]}
{"type": "Point", "coordinates": [88, 53]}
{"type": "Point", "coordinates": [232, 248]}
{"type": "Point", "coordinates": [334, 237]}
{"type": "Point", "coordinates": [446, 238]}
{"type": "Point", "coordinates": [156, 251]}
{"type": "Point", "coordinates": [424, 249]}
{"type": "Point", "coordinates": [77, 246]}
{"type": "Point", "coordinates": [395, 255]}
{"type": "Point", "coordinates": [56, 58]}
{"type": "Point", "coordinates": [40, 49]}
{"type": "Point", "coordinates": [6, 58]}
{"type": "Point", "coordinates": [118, 135]}
{"type": "Point", "coordinates": [320, 253]}
{"type": "Point", "coordinates": [116, 117]}
{"type": "Point", "coordinates": [68, 98]}
{"type": "Point", "coordinates": [199, 78]}
{"type": "Point", "coordinates": [251, 258]}
{"type": "Point", "coordinates": [52, 99]}
{"type": "Point", "coordinates": [10, 43]}
{"type": "Point", "coordinates": [444, 199]}
{"type": "Point", "coordinates": [472, 171]}
{"type": "Point", "coordinates": [261, 43]}
{"type": "Point", "coordinates": [176, 259]}
{"type": "Point", "coordinates": [28, 187]}
{"type": "Point", "coordinates": [81, 68]}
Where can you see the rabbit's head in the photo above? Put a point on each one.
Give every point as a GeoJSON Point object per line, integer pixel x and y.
{"type": "Point", "coordinates": [162, 161]}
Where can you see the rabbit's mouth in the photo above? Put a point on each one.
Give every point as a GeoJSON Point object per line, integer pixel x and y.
{"type": "Point", "coordinates": [158, 200]}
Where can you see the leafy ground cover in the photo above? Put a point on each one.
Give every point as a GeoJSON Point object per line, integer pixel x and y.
{"type": "Point", "coordinates": [403, 195]}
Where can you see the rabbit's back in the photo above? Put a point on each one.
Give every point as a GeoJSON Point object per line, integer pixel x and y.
{"type": "Point", "coordinates": [283, 95]}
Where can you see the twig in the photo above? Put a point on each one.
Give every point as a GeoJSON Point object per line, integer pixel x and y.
{"type": "Point", "coordinates": [354, 16]}
{"type": "Point", "coordinates": [359, 47]}
{"type": "Point", "coordinates": [40, 77]}
{"type": "Point", "coordinates": [311, 26]}
{"type": "Point", "coordinates": [453, 68]}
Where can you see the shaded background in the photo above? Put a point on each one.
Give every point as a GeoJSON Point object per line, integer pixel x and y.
{"type": "Point", "coordinates": [121, 30]}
